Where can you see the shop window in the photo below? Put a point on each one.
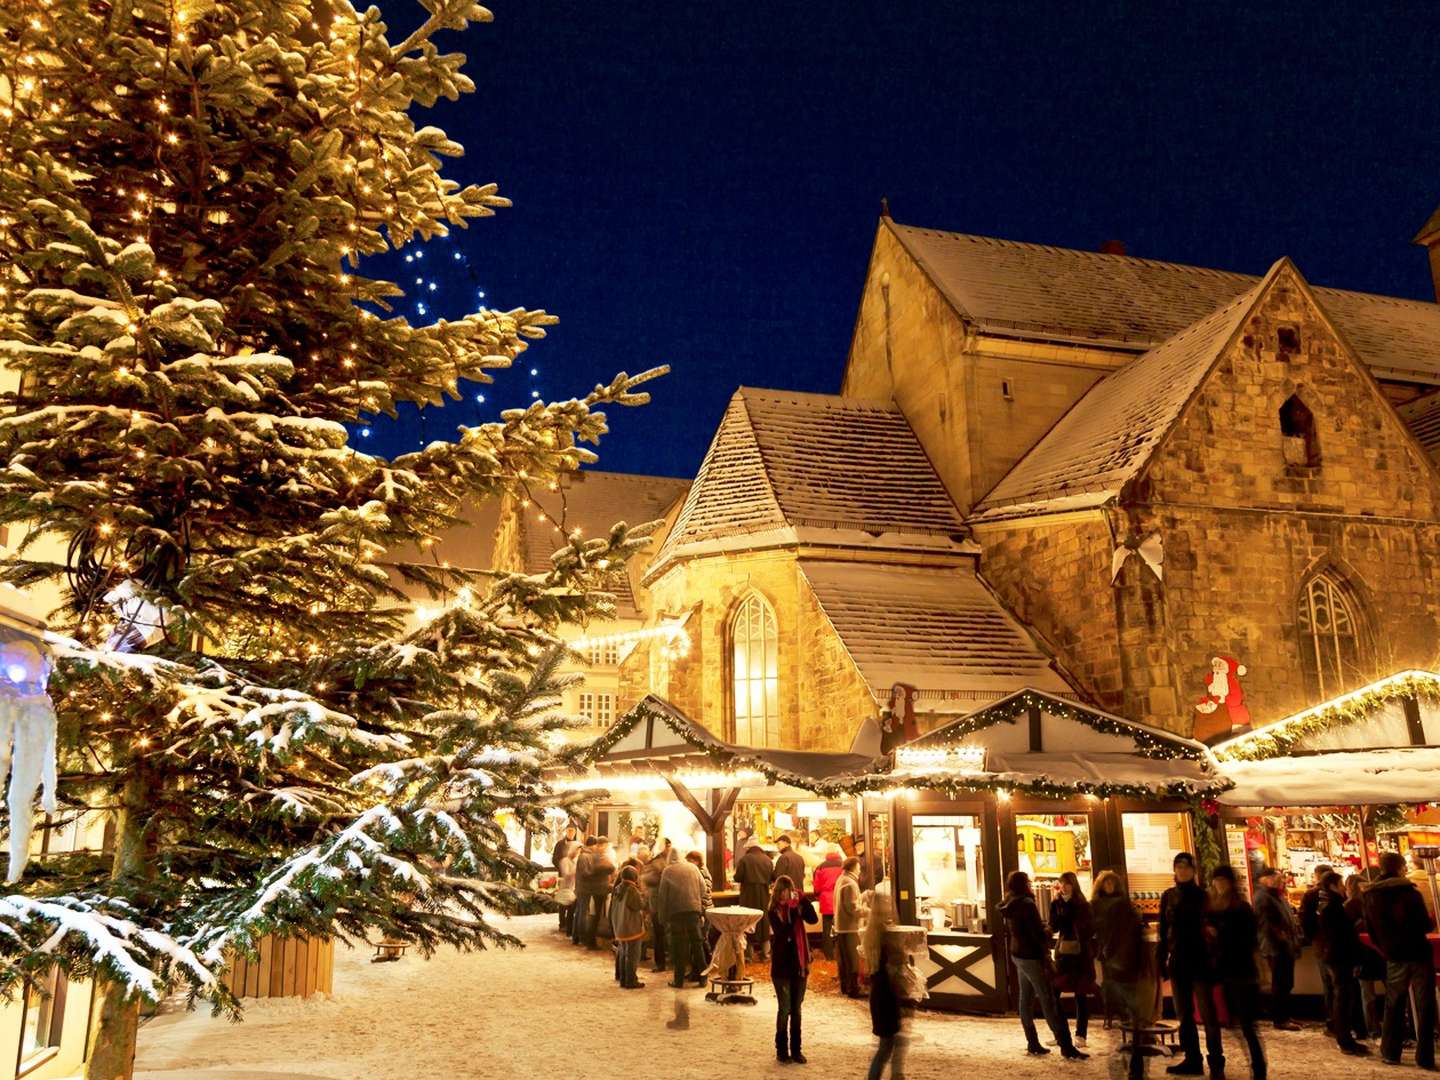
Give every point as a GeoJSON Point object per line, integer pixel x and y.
{"type": "Point", "coordinates": [949, 870]}
{"type": "Point", "coordinates": [1152, 840]}
{"type": "Point", "coordinates": [754, 651]}
{"type": "Point", "coordinates": [1297, 429]}
{"type": "Point", "coordinates": [1049, 845]}
{"type": "Point", "coordinates": [1329, 636]}
{"type": "Point", "coordinates": [40, 1028]}
{"type": "Point", "coordinates": [599, 709]}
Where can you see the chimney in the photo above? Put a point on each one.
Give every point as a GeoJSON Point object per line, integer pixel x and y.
{"type": "Point", "coordinates": [1429, 237]}
{"type": "Point", "coordinates": [1112, 247]}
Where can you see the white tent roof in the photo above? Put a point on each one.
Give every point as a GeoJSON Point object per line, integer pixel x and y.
{"type": "Point", "coordinates": [1340, 778]}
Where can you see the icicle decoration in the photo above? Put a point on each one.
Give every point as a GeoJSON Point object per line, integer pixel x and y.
{"type": "Point", "coordinates": [27, 742]}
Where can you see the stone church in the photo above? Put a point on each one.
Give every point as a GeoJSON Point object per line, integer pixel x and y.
{"type": "Point", "coordinates": [1192, 498]}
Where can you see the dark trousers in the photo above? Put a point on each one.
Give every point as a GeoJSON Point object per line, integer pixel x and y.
{"type": "Point", "coordinates": [686, 950]}
{"type": "Point", "coordinates": [891, 1049]}
{"type": "Point", "coordinates": [1327, 991]}
{"type": "Point", "coordinates": [592, 919]}
{"type": "Point", "coordinates": [827, 936]}
{"type": "Point", "coordinates": [1190, 994]}
{"type": "Point", "coordinates": [1036, 988]}
{"type": "Point", "coordinates": [1346, 1004]}
{"type": "Point", "coordinates": [1402, 982]}
{"type": "Point", "coordinates": [1243, 1001]}
{"type": "Point", "coordinates": [849, 953]}
{"type": "Point", "coordinates": [566, 911]}
{"type": "Point", "coordinates": [658, 936]}
{"type": "Point", "coordinates": [789, 994]}
{"type": "Point", "coordinates": [1282, 983]}
{"type": "Point", "coordinates": [579, 915]}
{"type": "Point", "coordinates": [628, 953]}
{"type": "Point", "coordinates": [1082, 1014]}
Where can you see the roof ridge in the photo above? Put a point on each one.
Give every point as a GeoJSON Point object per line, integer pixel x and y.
{"type": "Point", "coordinates": [800, 396]}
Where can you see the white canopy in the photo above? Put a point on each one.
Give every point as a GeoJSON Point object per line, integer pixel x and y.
{"type": "Point", "coordinates": [1338, 778]}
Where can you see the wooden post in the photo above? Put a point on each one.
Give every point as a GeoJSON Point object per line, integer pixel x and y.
{"type": "Point", "coordinates": [712, 821]}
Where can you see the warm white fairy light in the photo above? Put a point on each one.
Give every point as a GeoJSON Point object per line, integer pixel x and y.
{"type": "Point", "coordinates": [964, 759]}
{"type": "Point", "coordinates": [694, 779]}
{"type": "Point", "coordinates": [671, 631]}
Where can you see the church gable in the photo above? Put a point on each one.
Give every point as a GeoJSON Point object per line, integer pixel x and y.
{"type": "Point", "coordinates": [1288, 418]}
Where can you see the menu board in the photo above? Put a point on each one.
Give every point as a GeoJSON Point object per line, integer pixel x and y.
{"type": "Point", "coordinates": [1235, 845]}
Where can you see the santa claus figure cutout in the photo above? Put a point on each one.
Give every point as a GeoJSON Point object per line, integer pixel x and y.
{"type": "Point", "coordinates": [897, 718]}
{"type": "Point", "coordinates": [1224, 689]}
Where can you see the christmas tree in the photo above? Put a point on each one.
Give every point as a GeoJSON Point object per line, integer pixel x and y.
{"type": "Point", "coordinates": [187, 190]}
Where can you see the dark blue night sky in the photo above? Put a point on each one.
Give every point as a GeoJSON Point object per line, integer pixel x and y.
{"type": "Point", "coordinates": [698, 185]}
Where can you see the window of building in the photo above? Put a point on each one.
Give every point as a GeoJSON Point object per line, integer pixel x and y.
{"type": "Point", "coordinates": [757, 673]}
{"type": "Point", "coordinates": [949, 870]}
{"type": "Point", "coordinates": [1297, 428]}
{"type": "Point", "coordinates": [1330, 636]}
{"type": "Point", "coordinates": [604, 654]}
{"type": "Point", "coordinates": [40, 1027]}
{"type": "Point", "coordinates": [599, 709]}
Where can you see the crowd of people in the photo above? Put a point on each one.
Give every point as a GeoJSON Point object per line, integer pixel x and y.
{"type": "Point", "coordinates": [1212, 944]}
{"type": "Point", "coordinates": [1227, 959]}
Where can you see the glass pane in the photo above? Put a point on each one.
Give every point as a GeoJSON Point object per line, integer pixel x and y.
{"type": "Point", "coordinates": [949, 871]}
{"type": "Point", "coordinates": [1151, 843]}
{"type": "Point", "coordinates": [1054, 844]}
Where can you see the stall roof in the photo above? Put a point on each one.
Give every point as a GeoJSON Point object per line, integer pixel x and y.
{"type": "Point", "coordinates": [657, 734]}
{"type": "Point", "coordinates": [1337, 778]}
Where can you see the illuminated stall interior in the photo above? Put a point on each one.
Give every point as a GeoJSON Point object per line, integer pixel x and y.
{"type": "Point", "coordinates": [665, 777]}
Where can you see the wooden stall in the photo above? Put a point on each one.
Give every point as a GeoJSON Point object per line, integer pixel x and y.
{"type": "Point", "coordinates": [284, 967]}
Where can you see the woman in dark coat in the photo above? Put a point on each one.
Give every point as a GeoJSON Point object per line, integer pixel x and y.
{"type": "Point", "coordinates": [886, 1017]}
{"type": "Point", "coordinates": [1071, 922]}
{"type": "Point", "coordinates": [1232, 935]}
{"type": "Point", "coordinates": [789, 911]}
{"type": "Point", "coordinates": [1337, 944]}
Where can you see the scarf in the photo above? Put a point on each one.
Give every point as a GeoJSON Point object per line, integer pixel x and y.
{"type": "Point", "coordinates": [802, 944]}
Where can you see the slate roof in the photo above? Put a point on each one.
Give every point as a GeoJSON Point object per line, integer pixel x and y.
{"type": "Point", "coordinates": [1013, 289]}
{"type": "Point", "coordinates": [785, 462]}
{"type": "Point", "coordinates": [936, 629]}
{"type": "Point", "coordinates": [1107, 436]}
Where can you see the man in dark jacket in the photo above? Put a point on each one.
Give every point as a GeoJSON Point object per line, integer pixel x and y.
{"type": "Point", "coordinates": [789, 864]}
{"type": "Point", "coordinates": [1279, 944]}
{"type": "Point", "coordinates": [581, 915]}
{"type": "Point", "coordinates": [650, 880]}
{"type": "Point", "coordinates": [752, 873]}
{"type": "Point", "coordinates": [1185, 961]}
{"type": "Point", "coordinates": [1030, 951]}
{"type": "Point", "coordinates": [596, 875]}
{"type": "Point", "coordinates": [1310, 926]}
{"type": "Point", "coordinates": [1337, 946]}
{"type": "Point", "coordinates": [1399, 922]}
{"type": "Point", "coordinates": [680, 905]}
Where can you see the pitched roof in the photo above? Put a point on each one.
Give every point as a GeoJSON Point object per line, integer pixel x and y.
{"type": "Point", "coordinates": [1032, 290]}
{"type": "Point", "coordinates": [1107, 436]}
{"type": "Point", "coordinates": [940, 630]}
{"type": "Point", "coordinates": [785, 463]}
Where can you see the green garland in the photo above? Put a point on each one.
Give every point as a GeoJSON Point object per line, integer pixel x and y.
{"type": "Point", "coordinates": [1147, 743]}
{"type": "Point", "coordinates": [1204, 815]}
{"type": "Point", "coordinates": [1278, 742]}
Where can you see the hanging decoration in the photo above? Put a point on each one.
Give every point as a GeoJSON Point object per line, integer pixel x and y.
{"type": "Point", "coordinates": [138, 622]}
{"type": "Point", "coordinates": [897, 718]}
{"type": "Point", "coordinates": [1151, 551]}
{"type": "Point", "coordinates": [1224, 689]}
{"type": "Point", "coordinates": [27, 739]}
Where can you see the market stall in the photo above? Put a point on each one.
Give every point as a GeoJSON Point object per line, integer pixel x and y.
{"type": "Point", "coordinates": [1335, 785]}
{"type": "Point", "coordinates": [1032, 782]}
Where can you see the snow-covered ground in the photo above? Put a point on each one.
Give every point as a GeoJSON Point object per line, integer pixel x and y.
{"type": "Point", "coordinates": [552, 1010]}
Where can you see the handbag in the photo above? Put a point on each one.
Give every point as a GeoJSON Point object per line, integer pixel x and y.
{"type": "Point", "coordinates": [1068, 947]}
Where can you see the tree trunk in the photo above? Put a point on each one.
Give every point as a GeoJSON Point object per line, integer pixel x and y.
{"type": "Point", "coordinates": [111, 1053]}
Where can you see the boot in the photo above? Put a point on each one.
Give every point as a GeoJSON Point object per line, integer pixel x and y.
{"type": "Point", "coordinates": [1190, 1066]}
{"type": "Point", "coordinates": [1217, 1067]}
{"type": "Point", "coordinates": [782, 1049]}
{"type": "Point", "coordinates": [1037, 1049]}
{"type": "Point", "coordinates": [795, 1054]}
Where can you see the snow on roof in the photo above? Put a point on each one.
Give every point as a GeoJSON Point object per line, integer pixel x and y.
{"type": "Point", "coordinates": [1422, 416]}
{"type": "Point", "coordinates": [1108, 435]}
{"type": "Point", "coordinates": [594, 502]}
{"type": "Point", "coordinates": [1345, 778]}
{"type": "Point", "coordinates": [1032, 290]}
{"type": "Point", "coordinates": [935, 629]}
{"type": "Point", "coordinates": [782, 460]}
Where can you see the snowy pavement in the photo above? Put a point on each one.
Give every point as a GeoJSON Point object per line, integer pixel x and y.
{"type": "Point", "coordinates": [552, 1010]}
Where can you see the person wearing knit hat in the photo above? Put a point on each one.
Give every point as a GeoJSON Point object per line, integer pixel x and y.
{"type": "Point", "coordinates": [1233, 939]}
{"type": "Point", "coordinates": [1185, 960]}
{"type": "Point", "coordinates": [1279, 943]}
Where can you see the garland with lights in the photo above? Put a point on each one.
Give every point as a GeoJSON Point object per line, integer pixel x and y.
{"type": "Point", "coordinates": [1147, 743]}
{"type": "Point", "coordinates": [1274, 740]}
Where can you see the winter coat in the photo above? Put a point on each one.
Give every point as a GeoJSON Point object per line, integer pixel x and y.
{"type": "Point", "coordinates": [1028, 939]}
{"type": "Point", "coordinates": [1371, 963]}
{"type": "Point", "coordinates": [584, 861]}
{"type": "Point", "coordinates": [707, 889]}
{"type": "Point", "coordinates": [1071, 920]}
{"type": "Point", "coordinates": [1309, 914]}
{"type": "Point", "coordinates": [1395, 913]}
{"type": "Point", "coordinates": [627, 912]}
{"type": "Point", "coordinates": [789, 864]}
{"type": "Point", "coordinates": [651, 871]}
{"type": "Point", "coordinates": [849, 910]}
{"type": "Point", "coordinates": [1337, 942]}
{"type": "Point", "coordinates": [1279, 926]}
{"type": "Point", "coordinates": [596, 877]}
{"type": "Point", "coordinates": [1119, 938]}
{"type": "Point", "coordinates": [789, 947]}
{"type": "Point", "coordinates": [1234, 937]}
{"type": "Point", "coordinates": [826, 875]}
{"type": "Point", "coordinates": [682, 890]}
{"type": "Point", "coordinates": [563, 847]}
{"type": "Point", "coordinates": [884, 1002]}
{"type": "Point", "coordinates": [1182, 932]}
{"type": "Point", "coordinates": [565, 885]}
{"type": "Point", "coordinates": [752, 874]}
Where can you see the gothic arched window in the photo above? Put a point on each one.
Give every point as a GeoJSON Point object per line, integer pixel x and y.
{"type": "Point", "coordinates": [755, 660]}
{"type": "Point", "coordinates": [1330, 636]}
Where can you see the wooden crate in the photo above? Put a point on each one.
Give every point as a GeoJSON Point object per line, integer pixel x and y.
{"type": "Point", "coordinates": [285, 967]}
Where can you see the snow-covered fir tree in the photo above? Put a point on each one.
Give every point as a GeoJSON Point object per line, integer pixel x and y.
{"type": "Point", "coordinates": [187, 191]}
